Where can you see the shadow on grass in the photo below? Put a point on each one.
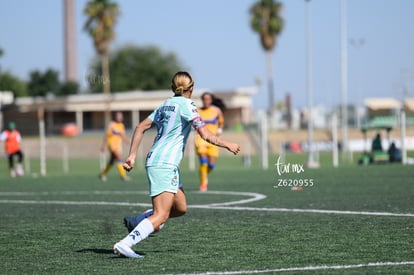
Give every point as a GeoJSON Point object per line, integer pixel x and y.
{"type": "Point", "coordinates": [96, 251]}
{"type": "Point", "coordinates": [104, 252]}
{"type": "Point", "coordinates": [160, 251]}
{"type": "Point", "coordinates": [111, 251]}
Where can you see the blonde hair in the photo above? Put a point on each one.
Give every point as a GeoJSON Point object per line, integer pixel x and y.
{"type": "Point", "coordinates": [181, 82]}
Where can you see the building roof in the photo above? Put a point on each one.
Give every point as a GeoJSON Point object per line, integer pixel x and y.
{"type": "Point", "coordinates": [133, 100]}
{"type": "Point", "coordinates": [385, 103]}
{"type": "Point", "coordinates": [409, 105]}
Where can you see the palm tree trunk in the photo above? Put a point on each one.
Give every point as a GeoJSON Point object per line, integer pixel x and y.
{"type": "Point", "coordinates": [270, 83]}
{"type": "Point", "coordinates": [106, 87]}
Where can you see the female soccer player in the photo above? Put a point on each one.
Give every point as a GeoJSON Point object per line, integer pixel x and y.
{"type": "Point", "coordinates": [207, 152]}
{"type": "Point", "coordinates": [12, 139]}
{"type": "Point", "coordinates": [114, 135]}
{"type": "Point", "coordinates": [174, 119]}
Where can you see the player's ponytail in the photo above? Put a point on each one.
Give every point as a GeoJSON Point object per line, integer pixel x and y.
{"type": "Point", "coordinates": [181, 82]}
{"type": "Point", "coordinates": [179, 90]}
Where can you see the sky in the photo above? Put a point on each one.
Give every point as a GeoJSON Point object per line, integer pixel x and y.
{"type": "Point", "coordinates": [214, 41]}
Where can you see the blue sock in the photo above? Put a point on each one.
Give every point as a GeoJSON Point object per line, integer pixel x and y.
{"type": "Point", "coordinates": [143, 216]}
{"type": "Point", "coordinates": [203, 160]}
{"type": "Point", "coordinates": [210, 167]}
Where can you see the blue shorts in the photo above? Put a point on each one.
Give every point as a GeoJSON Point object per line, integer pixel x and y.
{"type": "Point", "coordinates": [164, 178]}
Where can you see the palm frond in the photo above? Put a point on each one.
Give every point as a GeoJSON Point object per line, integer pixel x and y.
{"type": "Point", "coordinates": [267, 21]}
{"type": "Point", "coordinates": [102, 17]}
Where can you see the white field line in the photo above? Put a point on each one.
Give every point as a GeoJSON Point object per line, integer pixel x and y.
{"type": "Point", "coordinates": [304, 268]}
{"type": "Point", "coordinates": [101, 203]}
{"type": "Point", "coordinates": [298, 210]}
{"type": "Point", "coordinates": [232, 208]}
{"type": "Point", "coordinates": [216, 206]}
{"type": "Point", "coordinates": [51, 193]}
{"type": "Point", "coordinates": [255, 197]}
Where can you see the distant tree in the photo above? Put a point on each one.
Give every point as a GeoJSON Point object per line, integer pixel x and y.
{"type": "Point", "coordinates": [40, 84]}
{"type": "Point", "coordinates": [268, 23]}
{"type": "Point", "coordinates": [43, 83]}
{"type": "Point", "coordinates": [1, 54]}
{"type": "Point", "coordinates": [9, 82]}
{"type": "Point", "coordinates": [68, 88]}
{"type": "Point", "coordinates": [137, 68]}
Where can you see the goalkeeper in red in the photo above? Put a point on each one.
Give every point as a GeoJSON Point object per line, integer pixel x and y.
{"type": "Point", "coordinates": [173, 119]}
{"type": "Point", "coordinates": [12, 139]}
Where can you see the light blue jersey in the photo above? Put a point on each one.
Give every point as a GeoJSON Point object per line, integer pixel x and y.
{"type": "Point", "coordinates": [174, 119]}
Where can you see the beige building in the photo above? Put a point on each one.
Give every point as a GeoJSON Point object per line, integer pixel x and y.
{"type": "Point", "coordinates": [87, 110]}
{"type": "Point", "coordinates": [387, 111]}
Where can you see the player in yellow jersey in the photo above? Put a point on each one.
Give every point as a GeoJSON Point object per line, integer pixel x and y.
{"type": "Point", "coordinates": [114, 135]}
{"type": "Point", "coordinates": [207, 153]}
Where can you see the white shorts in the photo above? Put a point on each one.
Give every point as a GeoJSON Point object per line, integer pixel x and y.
{"type": "Point", "coordinates": [164, 178]}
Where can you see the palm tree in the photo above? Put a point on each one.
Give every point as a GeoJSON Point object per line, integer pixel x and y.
{"type": "Point", "coordinates": [268, 23]}
{"type": "Point", "coordinates": [102, 16]}
{"type": "Point", "coordinates": [1, 54]}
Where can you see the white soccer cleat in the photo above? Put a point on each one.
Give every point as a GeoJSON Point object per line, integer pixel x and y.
{"type": "Point", "coordinates": [12, 173]}
{"type": "Point", "coordinates": [124, 250]}
{"type": "Point", "coordinates": [126, 178]}
{"type": "Point", "coordinates": [19, 170]}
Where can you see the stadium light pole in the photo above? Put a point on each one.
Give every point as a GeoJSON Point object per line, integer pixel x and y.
{"type": "Point", "coordinates": [311, 157]}
{"type": "Point", "coordinates": [403, 135]}
{"type": "Point", "coordinates": [263, 124]}
{"type": "Point", "coordinates": [406, 75]}
{"type": "Point", "coordinates": [42, 139]}
{"type": "Point", "coordinates": [344, 80]}
{"type": "Point", "coordinates": [358, 44]}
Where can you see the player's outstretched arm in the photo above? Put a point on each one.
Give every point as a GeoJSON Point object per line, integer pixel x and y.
{"type": "Point", "coordinates": [215, 140]}
{"type": "Point", "coordinates": [136, 141]}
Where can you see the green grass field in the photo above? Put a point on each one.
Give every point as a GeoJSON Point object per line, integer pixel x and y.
{"type": "Point", "coordinates": [67, 224]}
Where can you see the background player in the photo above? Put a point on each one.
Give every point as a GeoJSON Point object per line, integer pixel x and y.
{"type": "Point", "coordinates": [12, 140]}
{"type": "Point", "coordinates": [207, 153]}
{"type": "Point", "coordinates": [114, 135]}
{"type": "Point", "coordinates": [174, 119]}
